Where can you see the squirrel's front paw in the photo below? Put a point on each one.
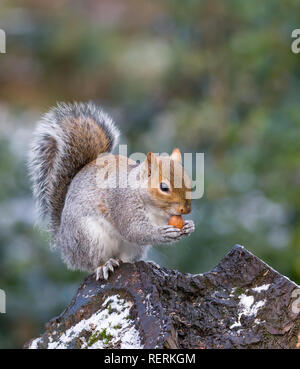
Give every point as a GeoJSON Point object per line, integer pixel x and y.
{"type": "Point", "coordinates": [169, 234]}
{"type": "Point", "coordinates": [102, 272]}
{"type": "Point", "coordinates": [188, 227]}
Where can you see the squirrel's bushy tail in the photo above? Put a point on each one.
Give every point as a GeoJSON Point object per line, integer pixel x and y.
{"type": "Point", "coordinates": [67, 138]}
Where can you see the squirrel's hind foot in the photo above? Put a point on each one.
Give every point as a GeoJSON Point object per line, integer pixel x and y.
{"type": "Point", "coordinates": [102, 272]}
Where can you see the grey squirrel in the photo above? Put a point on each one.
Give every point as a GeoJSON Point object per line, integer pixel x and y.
{"type": "Point", "coordinates": [96, 227]}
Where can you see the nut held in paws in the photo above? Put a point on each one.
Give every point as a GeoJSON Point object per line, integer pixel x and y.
{"type": "Point", "coordinates": [176, 221]}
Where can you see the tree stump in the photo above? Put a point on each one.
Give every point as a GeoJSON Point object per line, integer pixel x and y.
{"type": "Point", "coordinates": [241, 303]}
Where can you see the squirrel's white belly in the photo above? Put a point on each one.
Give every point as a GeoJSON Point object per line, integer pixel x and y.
{"type": "Point", "coordinates": [107, 243]}
{"type": "Point", "coordinates": [105, 240]}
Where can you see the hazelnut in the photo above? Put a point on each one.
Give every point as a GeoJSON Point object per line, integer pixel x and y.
{"type": "Point", "coordinates": [176, 221]}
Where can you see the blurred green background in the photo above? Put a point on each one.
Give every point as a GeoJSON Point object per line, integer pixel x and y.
{"type": "Point", "coordinates": [208, 76]}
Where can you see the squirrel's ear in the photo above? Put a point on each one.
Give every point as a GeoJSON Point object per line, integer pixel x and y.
{"type": "Point", "coordinates": [176, 155]}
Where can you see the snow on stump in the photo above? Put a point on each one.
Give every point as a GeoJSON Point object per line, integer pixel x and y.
{"type": "Point", "coordinates": [242, 303]}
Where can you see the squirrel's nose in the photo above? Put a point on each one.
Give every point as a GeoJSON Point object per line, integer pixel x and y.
{"type": "Point", "coordinates": [186, 209]}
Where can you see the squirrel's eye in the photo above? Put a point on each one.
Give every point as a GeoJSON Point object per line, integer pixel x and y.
{"type": "Point", "coordinates": [164, 187]}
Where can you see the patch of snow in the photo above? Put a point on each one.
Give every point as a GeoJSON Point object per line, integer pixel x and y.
{"type": "Point", "coordinates": [51, 344]}
{"type": "Point", "coordinates": [236, 324]}
{"type": "Point", "coordinates": [232, 293]}
{"type": "Point", "coordinates": [154, 263]}
{"type": "Point", "coordinates": [247, 307]}
{"type": "Point", "coordinates": [257, 321]}
{"type": "Point", "coordinates": [264, 287]}
{"type": "Point", "coordinates": [89, 295]}
{"type": "Point", "coordinates": [111, 325]}
{"type": "Point", "coordinates": [130, 339]}
{"type": "Point", "coordinates": [34, 344]}
{"type": "Point", "coordinates": [246, 302]}
{"type": "Point", "coordinates": [149, 308]}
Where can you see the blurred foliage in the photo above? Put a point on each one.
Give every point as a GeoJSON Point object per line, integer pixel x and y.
{"type": "Point", "coordinates": [207, 76]}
